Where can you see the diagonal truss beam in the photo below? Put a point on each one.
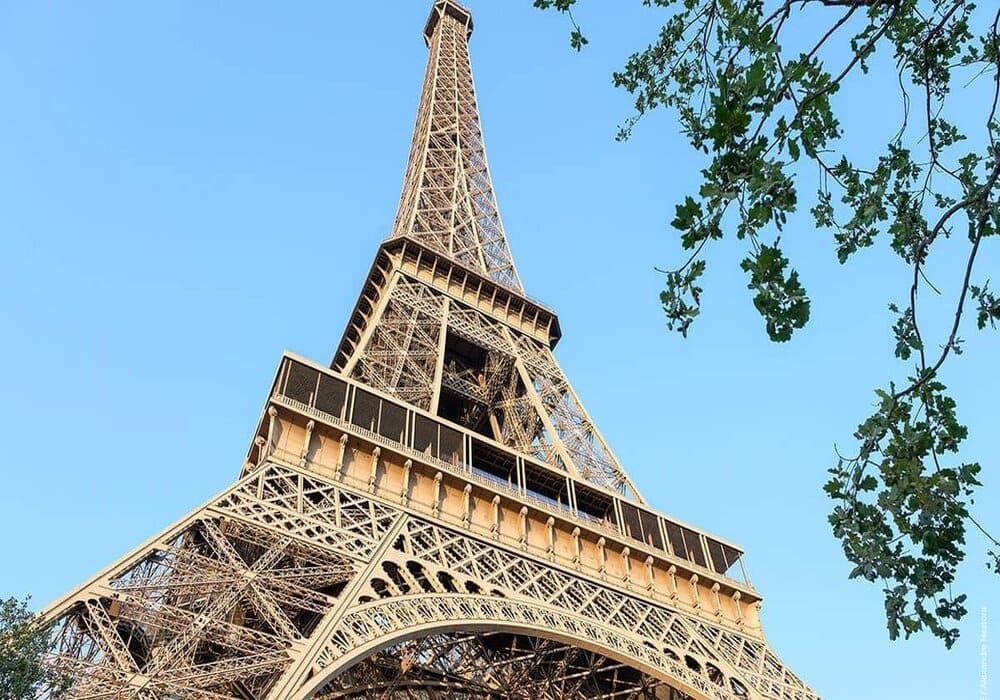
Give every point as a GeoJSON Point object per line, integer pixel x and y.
{"type": "Point", "coordinates": [448, 201]}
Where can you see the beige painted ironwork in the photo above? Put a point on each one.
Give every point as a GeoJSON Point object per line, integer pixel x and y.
{"type": "Point", "coordinates": [433, 516]}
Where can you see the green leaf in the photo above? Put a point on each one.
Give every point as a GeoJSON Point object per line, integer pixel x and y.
{"type": "Point", "coordinates": [780, 297]}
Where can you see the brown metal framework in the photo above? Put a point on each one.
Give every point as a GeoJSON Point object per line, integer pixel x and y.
{"type": "Point", "coordinates": [448, 201]}
{"type": "Point", "coordinates": [435, 515]}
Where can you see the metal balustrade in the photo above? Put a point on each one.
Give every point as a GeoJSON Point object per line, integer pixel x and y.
{"type": "Point", "coordinates": [323, 393]}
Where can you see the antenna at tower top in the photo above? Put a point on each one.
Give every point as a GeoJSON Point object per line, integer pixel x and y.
{"type": "Point", "coordinates": [449, 7]}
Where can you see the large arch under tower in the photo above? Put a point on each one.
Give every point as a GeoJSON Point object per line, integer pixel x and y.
{"type": "Point", "coordinates": [496, 665]}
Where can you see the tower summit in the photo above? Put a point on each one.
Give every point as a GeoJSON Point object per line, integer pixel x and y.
{"type": "Point", "coordinates": [448, 202]}
{"type": "Point", "coordinates": [435, 515]}
{"type": "Point", "coordinates": [441, 8]}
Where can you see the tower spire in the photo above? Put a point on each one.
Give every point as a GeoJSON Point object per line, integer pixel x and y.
{"type": "Point", "coordinates": [448, 202]}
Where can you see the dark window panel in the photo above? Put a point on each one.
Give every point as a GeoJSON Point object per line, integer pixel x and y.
{"type": "Point", "coordinates": [393, 421]}
{"type": "Point", "coordinates": [631, 522]}
{"type": "Point", "coordinates": [301, 382]}
{"type": "Point", "coordinates": [492, 462]}
{"type": "Point", "coordinates": [695, 551]}
{"type": "Point", "coordinates": [675, 535]}
{"type": "Point", "coordinates": [723, 556]}
{"type": "Point", "coordinates": [651, 529]}
{"type": "Point", "coordinates": [330, 396]}
{"type": "Point", "coordinates": [451, 445]}
{"type": "Point", "coordinates": [542, 483]}
{"type": "Point", "coordinates": [425, 435]}
{"type": "Point", "coordinates": [365, 414]}
{"type": "Point", "coordinates": [595, 505]}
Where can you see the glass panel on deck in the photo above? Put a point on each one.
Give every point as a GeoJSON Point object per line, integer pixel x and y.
{"type": "Point", "coordinates": [331, 395]}
{"type": "Point", "coordinates": [300, 383]}
{"type": "Point", "coordinates": [365, 414]}
{"type": "Point", "coordinates": [451, 445]}
{"type": "Point", "coordinates": [724, 557]}
{"type": "Point", "coordinates": [425, 435]}
{"type": "Point", "coordinates": [393, 421]}
{"type": "Point", "coordinates": [685, 543]}
{"type": "Point", "coordinates": [695, 551]}
{"type": "Point", "coordinates": [651, 529]}
{"type": "Point", "coordinates": [492, 463]}
{"type": "Point", "coordinates": [595, 505]}
{"type": "Point", "coordinates": [541, 483]}
{"type": "Point", "coordinates": [676, 539]}
{"type": "Point", "coordinates": [631, 522]}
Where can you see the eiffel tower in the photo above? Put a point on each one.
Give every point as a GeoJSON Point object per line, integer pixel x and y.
{"type": "Point", "coordinates": [434, 515]}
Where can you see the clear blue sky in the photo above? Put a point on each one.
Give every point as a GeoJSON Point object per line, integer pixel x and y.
{"type": "Point", "coordinates": [187, 188]}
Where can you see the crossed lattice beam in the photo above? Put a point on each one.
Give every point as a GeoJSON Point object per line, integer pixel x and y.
{"type": "Point", "coordinates": [401, 354]}
{"type": "Point", "coordinates": [448, 201]}
{"type": "Point", "coordinates": [209, 612]}
{"type": "Point", "coordinates": [536, 409]}
{"type": "Point", "coordinates": [289, 578]}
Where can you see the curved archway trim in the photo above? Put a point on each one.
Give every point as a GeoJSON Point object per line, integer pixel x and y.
{"type": "Point", "coordinates": [382, 623]}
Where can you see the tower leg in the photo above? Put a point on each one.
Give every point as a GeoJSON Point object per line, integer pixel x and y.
{"type": "Point", "coordinates": [291, 585]}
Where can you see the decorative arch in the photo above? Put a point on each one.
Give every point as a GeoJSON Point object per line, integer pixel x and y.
{"type": "Point", "coordinates": [382, 624]}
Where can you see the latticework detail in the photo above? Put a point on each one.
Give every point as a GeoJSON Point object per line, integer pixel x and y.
{"type": "Point", "coordinates": [520, 383]}
{"type": "Point", "coordinates": [448, 201]}
{"type": "Point", "coordinates": [493, 665]}
{"type": "Point", "coordinates": [210, 612]}
{"type": "Point", "coordinates": [221, 606]}
{"type": "Point", "coordinates": [384, 621]}
{"type": "Point", "coordinates": [582, 442]}
{"type": "Point", "coordinates": [401, 354]}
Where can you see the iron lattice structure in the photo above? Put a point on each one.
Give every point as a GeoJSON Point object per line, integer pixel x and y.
{"type": "Point", "coordinates": [433, 516]}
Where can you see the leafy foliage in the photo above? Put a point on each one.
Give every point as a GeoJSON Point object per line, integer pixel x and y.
{"type": "Point", "coordinates": [24, 638]}
{"type": "Point", "coordinates": [763, 114]}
